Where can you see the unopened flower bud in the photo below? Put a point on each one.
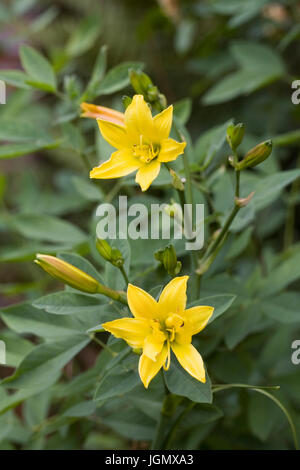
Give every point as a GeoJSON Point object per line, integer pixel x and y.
{"type": "Point", "coordinates": [140, 81]}
{"type": "Point", "coordinates": [173, 210]}
{"type": "Point", "coordinates": [68, 273]}
{"type": "Point", "coordinates": [255, 156]}
{"type": "Point", "coordinates": [104, 249]}
{"type": "Point", "coordinates": [176, 181]}
{"type": "Point", "coordinates": [171, 265]}
{"type": "Point", "coordinates": [235, 135]}
{"type": "Point", "coordinates": [117, 258]}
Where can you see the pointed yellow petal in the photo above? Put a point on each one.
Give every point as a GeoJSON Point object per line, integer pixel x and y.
{"type": "Point", "coordinates": [141, 304]}
{"type": "Point", "coordinates": [101, 112]}
{"type": "Point", "coordinates": [147, 173]}
{"type": "Point", "coordinates": [170, 150]}
{"type": "Point", "coordinates": [132, 330]}
{"type": "Point", "coordinates": [173, 297]}
{"type": "Point", "coordinates": [139, 121]}
{"type": "Point", "coordinates": [121, 163]}
{"type": "Point", "coordinates": [190, 360]}
{"type": "Point", "coordinates": [114, 134]}
{"type": "Point", "coordinates": [163, 123]}
{"type": "Point", "coordinates": [148, 368]}
{"type": "Point", "coordinates": [197, 317]}
{"type": "Point", "coordinates": [153, 345]}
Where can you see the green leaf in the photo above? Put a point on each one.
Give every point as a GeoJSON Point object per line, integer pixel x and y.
{"type": "Point", "coordinates": [262, 416]}
{"type": "Point", "coordinates": [209, 143]}
{"type": "Point", "coordinates": [181, 383]}
{"type": "Point", "coordinates": [245, 322]}
{"type": "Point", "coordinates": [17, 150]}
{"type": "Point", "coordinates": [220, 302]}
{"type": "Point", "coordinates": [87, 189]}
{"type": "Point", "coordinates": [16, 348]}
{"type": "Point", "coordinates": [281, 276]}
{"type": "Point", "coordinates": [283, 308]}
{"type": "Point", "coordinates": [117, 78]}
{"type": "Point", "coordinates": [38, 68]}
{"type": "Point", "coordinates": [117, 382]}
{"type": "Point", "coordinates": [48, 228]}
{"type": "Point", "coordinates": [65, 303]}
{"type": "Point", "coordinates": [25, 319]}
{"type": "Point", "coordinates": [84, 36]}
{"type": "Point", "coordinates": [42, 366]}
{"type": "Point", "coordinates": [13, 130]}
{"type": "Point", "coordinates": [259, 66]}
{"type": "Point", "coordinates": [15, 78]}
{"type": "Point", "coordinates": [268, 189]}
{"type": "Point", "coordinates": [183, 109]}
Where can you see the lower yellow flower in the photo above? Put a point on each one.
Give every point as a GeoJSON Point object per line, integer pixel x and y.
{"type": "Point", "coordinates": [158, 327]}
{"type": "Point", "coordinates": [142, 144]}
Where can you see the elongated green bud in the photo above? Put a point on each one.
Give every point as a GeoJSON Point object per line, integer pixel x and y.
{"type": "Point", "coordinates": [68, 273]}
{"type": "Point", "coordinates": [235, 135]}
{"type": "Point", "coordinates": [171, 265]}
{"type": "Point", "coordinates": [176, 181]}
{"type": "Point", "coordinates": [112, 255]}
{"type": "Point", "coordinates": [126, 100]}
{"type": "Point", "coordinates": [140, 82]}
{"type": "Point", "coordinates": [255, 156]}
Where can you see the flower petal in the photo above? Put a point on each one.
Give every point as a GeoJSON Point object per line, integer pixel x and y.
{"type": "Point", "coordinates": [163, 123]}
{"type": "Point", "coordinates": [153, 345]}
{"type": "Point", "coordinates": [197, 317]}
{"type": "Point", "coordinates": [121, 163]}
{"type": "Point", "coordinates": [101, 112]}
{"type": "Point", "coordinates": [141, 304]}
{"type": "Point", "coordinates": [147, 174]}
{"type": "Point", "coordinates": [148, 368]}
{"type": "Point", "coordinates": [170, 150]}
{"type": "Point", "coordinates": [190, 360]}
{"type": "Point", "coordinates": [132, 330]}
{"type": "Point", "coordinates": [139, 121]}
{"type": "Point", "coordinates": [173, 297]}
{"type": "Point", "coordinates": [114, 134]}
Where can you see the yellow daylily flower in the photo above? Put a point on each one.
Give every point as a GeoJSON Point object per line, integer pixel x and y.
{"type": "Point", "coordinates": [101, 112]}
{"type": "Point", "coordinates": [158, 327]}
{"type": "Point", "coordinates": [142, 144]}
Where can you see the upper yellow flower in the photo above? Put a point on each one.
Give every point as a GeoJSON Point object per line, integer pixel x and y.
{"type": "Point", "coordinates": [142, 144]}
{"type": "Point", "coordinates": [159, 326]}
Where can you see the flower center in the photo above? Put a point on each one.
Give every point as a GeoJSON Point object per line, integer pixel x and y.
{"type": "Point", "coordinates": [173, 324]}
{"type": "Point", "coordinates": [145, 152]}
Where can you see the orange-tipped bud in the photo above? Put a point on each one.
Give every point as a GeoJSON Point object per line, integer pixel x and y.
{"type": "Point", "coordinates": [101, 112]}
{"type": "Point", "coordinates": [68, 273]}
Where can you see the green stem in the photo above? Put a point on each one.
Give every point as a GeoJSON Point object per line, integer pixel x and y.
{"type": "Point", "coordinates": [103, 345]}
{"type": "Point", "coordinates": [263, 391]}
{"type": "Point", "coordinates": [118, 295]}
{"type": "Point", "coordinates": [122, 270]}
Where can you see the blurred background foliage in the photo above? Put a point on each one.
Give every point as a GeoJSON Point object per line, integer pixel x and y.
{"type": "Point", "coordinates": [216, 60]}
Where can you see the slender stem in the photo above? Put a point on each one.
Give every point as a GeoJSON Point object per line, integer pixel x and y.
{"type": "Point", "coordinates": [118, 295]}
{"type": "Point", "coordinates": [237, 186]}
{"type": "Point", "coordinates": [122, 270]}
{"type": "Point", "coordinates": [103, 345]}
{"type": "Point", "coordinates": [170, 437]}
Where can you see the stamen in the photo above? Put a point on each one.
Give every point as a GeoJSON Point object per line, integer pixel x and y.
{"type": "Point", "coordinates": [166, 365]}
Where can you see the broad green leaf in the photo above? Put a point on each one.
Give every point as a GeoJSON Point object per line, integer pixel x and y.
{"type": "Point", "coordinates": [42, 366]}
{"type": "Point", "coordinates": [120, 381]}
{"type": "Point", "coordinates": [17, 150]}
{"type": "Point", "coordinates": [21, 131]}
{"type": "Point", "coordinates": [283, 307]}
{"type": "Point", "coordinates": [47, 228]}
{"type": "Point", "coordinates": [281, 276]}
{"type": "Point", "coordinates": [183, 109]}
{"type": "Point", "coordinates": [209, 143]}
{"type": "Point", "coordinates": [16, 347]}
{"type": "Point", "coordinates": [87, 189]}
{"type": "Point", "coordinates": [220, 302]}
{"type": "Point", "coordinates": [246, 321]}
{"type": "Point", "coordinates": [64, 303]}
{"type": "Point", "coordinates": [117, 78]}
{"type": "Point", "coordinates": [38, 68]}
{"type": "Point", "coordinates": [181, 383]}
{"type": "Point", "coordinates": [84, 36]}
{"type": "Point", "coordinates": [85, 408]}
{"type": "Point", "coordinates": [15, 78]}
{"type": "Point", "coordinates": [269, 188]}
{"type": "Point", "coordinates": [36, 408]}
{"type": "Point", "coordinates": [262, 416]}
{"type": "Point", "coordinates": [24, 318]}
